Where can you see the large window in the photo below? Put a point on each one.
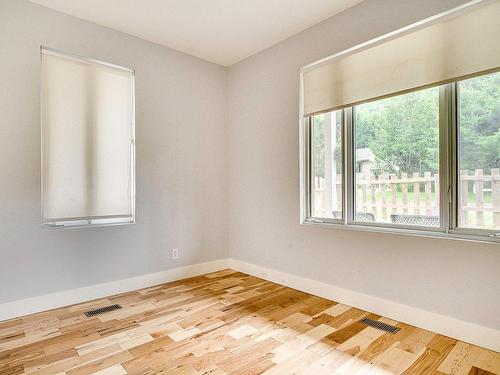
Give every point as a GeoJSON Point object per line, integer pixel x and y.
{"type": "Point", "coordinates": [419, 136]}
{"type": "Point", "coordinates": [427, 161]}
{"type": "Point", "coordinates": [87, 142]}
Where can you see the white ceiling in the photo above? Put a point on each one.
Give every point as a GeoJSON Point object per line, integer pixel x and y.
{"type": "Point", "coordinates": [221, 31]}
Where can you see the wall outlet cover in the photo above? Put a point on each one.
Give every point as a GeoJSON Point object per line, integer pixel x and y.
{"type": "Point", "coordinates": [175, 253]}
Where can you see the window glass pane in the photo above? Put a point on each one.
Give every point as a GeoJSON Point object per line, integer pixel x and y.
{"type": "Point", "coordinates": [326, 160]}
{"type": "Point", "coordinates": [396, 160]}
{"type": "Point", "coordinates": [479, 152]}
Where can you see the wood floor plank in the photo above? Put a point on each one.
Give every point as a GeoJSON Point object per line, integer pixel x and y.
{"type": "Point", "coordinates": [227, 323]}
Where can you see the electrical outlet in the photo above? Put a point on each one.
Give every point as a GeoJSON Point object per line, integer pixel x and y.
{"type": "Point", "coordinates": [175, 253]}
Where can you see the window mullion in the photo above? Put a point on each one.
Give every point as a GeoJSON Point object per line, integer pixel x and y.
{"type": "Point", "coordinates": [452, 156]}
{"type": "Point", "coordinates": [348, 165]}
{"type": "Point", "coordinates": [445, 157]}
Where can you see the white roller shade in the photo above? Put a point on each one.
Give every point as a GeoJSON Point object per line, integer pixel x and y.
{"type": "Point", "coordinates": [460, 43]}
{"type": "Point", "coordinates": [87, 140]}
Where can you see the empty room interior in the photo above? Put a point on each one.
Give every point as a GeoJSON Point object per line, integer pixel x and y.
{"type": "Point", "coordinates": [249, 187]}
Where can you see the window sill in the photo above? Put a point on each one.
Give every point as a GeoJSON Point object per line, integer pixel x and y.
{"type": "Point", "coordinates": [430, 233]}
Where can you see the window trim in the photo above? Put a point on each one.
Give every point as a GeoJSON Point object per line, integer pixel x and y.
{"type": "Point", "coordinates": [448, 178]}
{"type": "Point", "coordinates": [91, 221]}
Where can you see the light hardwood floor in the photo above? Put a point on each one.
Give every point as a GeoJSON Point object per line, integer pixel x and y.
{"type": "Point", "coordinates": [227, 323]}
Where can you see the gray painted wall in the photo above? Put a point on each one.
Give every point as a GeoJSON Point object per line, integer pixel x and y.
{"type": "Point", "coordinates": [458, 279]}
{"type": "Point", "coordinates": [181, 160]}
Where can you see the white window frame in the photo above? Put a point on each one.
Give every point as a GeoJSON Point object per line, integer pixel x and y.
{"type": "Point", "coordinates": [93, 221]}
{"type": "Point", "coordinates": [448, 179]}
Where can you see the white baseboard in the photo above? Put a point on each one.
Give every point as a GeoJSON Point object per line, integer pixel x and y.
{"type": "Point", "coordinates": [46, 302]}
{"type": "Point", "coordinates": [458, 329]}
{"type": "Point", "coordinates": [455, 328]}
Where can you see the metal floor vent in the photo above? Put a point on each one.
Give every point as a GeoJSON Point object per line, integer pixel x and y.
{"type": "Point", "coordinates": [379, 325]}
{"type": "Point", "coordinates": [102, 310]}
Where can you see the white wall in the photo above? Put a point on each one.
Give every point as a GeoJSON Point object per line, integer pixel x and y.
{"type": "Point", "coordinates": [181, 160]}
{"type": "Point", "coordinates": [453, 278]}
